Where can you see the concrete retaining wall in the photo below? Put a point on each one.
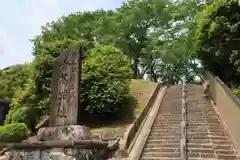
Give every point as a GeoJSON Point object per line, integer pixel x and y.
{"type": "Point", "coordinates": [228, 106]}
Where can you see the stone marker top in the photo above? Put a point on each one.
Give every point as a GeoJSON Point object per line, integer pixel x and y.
{"type": "Point", "coordinates": [65, 88]}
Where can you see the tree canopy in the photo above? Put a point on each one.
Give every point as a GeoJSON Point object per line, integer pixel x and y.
{"type": "Point", "coordinates": [218, 37]}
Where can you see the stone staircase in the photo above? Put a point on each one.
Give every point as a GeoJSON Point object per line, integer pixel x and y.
{"type": "Point", "coordinates": [164, 139]}
{"type": "Point", "coordinates": [206, 137]}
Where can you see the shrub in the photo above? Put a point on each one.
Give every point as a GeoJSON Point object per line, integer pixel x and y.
{"type": "Point", "coordinates": [14, 132]}
{"type": "Point", "coordinates": [236, 90]}
{"type": "Point", "coordinates": [27, 115]}
{"type": "Point", "coordinates": [105, 81]}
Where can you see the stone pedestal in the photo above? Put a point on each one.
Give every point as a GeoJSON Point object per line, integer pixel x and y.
{"type": "Point", "coordinates": [69, 132]}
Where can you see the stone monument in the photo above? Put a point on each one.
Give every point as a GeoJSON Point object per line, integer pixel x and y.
{"type": "Point", "coordinates": [65, 88]}
{"type": "Point", "coordinates": [64, 109]}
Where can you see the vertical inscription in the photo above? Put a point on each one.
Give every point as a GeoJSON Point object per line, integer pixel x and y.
{"type": "Point", "coordinates": [64, 102]}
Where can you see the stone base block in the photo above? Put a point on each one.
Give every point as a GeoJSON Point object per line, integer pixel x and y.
{"type": "Point", "coordinates": [69, 132]}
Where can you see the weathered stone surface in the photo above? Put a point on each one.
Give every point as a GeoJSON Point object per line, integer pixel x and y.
{"type": "Point", "coordinates": [206, 86]}
{"type": "Point", "coordinates": [31, 139]}
{"type": "Point", "coordinates": [112, 145]}
{"type": "Point", "coordinates": [12, 155]}
{"type": "Point", "coordinates": [43, 123]}
{"type": "Point", "coordinates": [65, 88]}
{"type": "Point", "coordinates": [96, 137]}
{"type": "Point", "coordinates": [4, 157]}
{"type": "Point", "coordinates": [70, 132]}
{"type": "Point", "coordinates": [32, 155]}
{"type": "Point", "coordinates": [122, 153]}
{"type": "Point", "coordinates": [55, 154]}
{"type": "Point", "coordinates": [108, 136]}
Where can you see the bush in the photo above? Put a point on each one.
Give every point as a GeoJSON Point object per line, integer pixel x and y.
{"type": "Point", "coordinates": [27, 115]}
{"type": "Point", "coordinates": [105, 81]}
{"type": "Point", "coordinates": [14, 132]}
{"type": "Point", "coordinates": [236, 90]}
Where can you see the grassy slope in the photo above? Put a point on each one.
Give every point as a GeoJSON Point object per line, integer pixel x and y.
{"type": "Point", "coordinates": [141, 91]}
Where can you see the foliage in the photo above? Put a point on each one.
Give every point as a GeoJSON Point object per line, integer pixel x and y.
{"type": "Point", "coordinates": [105, 83]}
{"type": "Point", "coordinates": [14, 132]}
{"type": "Point", "coordinates": [37, 91]}
{"type": "Point", "coordinates": [43, 64]}
{"type": "Point", "coordinates": [75, 26]}
{"type": "Point", "coordinates": [12, 79]}
{"type": "Point", "coordinates": [218, 34]}
{"type": "Point", "coordinates": [236, 90]}
{"type": "Point", "coordinates": [106, 79]}
{"type": "Point", "coordinates": [27, 115]}
{"type": "Point", "coordinates": [98, 86]}
{"type": "Point", "coordinates": [135, 20]}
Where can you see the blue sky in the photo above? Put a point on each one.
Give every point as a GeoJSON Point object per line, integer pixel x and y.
{"type": "Point", "coordinates": [21, 20]}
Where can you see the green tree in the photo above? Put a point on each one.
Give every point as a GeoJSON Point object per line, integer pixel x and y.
{"type": "Point", "coordinates": [171, 47]}
{"type": "Point", "coordinates": [135, 20]}
{"type": "Point", "coordinates": [218, 34]}
{"type": "Point", "coordinates": [106, 79]}
{"type": "Point", "coordinates": [12, 79]}
{"type": "Point", "coordinates": [76, 26]}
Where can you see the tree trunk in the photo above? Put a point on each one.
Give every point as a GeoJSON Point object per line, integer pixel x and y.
{"type": "Point", "coordinates": [153, 75]}
{"type": "Point", "coordinates": [135, 68]}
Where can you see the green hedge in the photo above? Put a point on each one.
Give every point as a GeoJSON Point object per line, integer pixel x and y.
{"type": "Point", "coordinates": [105, 81]}
{"type": "Point", "coordinates": [27, 115]}
{"type": "Point", "coordinates": [14, 132]}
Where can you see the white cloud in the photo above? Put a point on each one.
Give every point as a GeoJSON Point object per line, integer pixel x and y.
{"type": "Point", "coordinates": [20, 20]}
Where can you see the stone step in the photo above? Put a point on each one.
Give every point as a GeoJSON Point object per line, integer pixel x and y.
{"type": "Point", "coordinates": [209, 145]}
{"type": "Point", "coordinates": [165, 128]}
{"type": "Point", "coordinates": [227, 157]}
{"type": "Point", "coordinates": [163, 145]}
{"type": "Point", "coordinates": [204, 156]}
{"type": "Point", "coordinates": [165, 137]}
{"type": "Point", "coordinates": [161, 154]}
{"type": "Point", "coordinates": [211, 150]}
{"type": "Point", "coordinates": [160, 149]}
{"type": "Point", "coordinates": [207, 137]}
{"type": "Point", "coordinates": [164, 133]}
{"type": "Point", "coordinates": [158, 158]}
{"type": "Point", "coordinates": [165, 125]}
{"type": "Point", "coordinates": [155, 141]}
{"type": "Point", "coordinates": [169, 118]}
{"type": "Point", "coordinates": [166, 122]}
{"type": "Point", "coordinates": [200, 155]}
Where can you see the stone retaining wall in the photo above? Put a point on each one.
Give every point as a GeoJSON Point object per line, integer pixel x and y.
{"type": "Point", "coordinates": [59, 150]}
{"type": "Point", "coordinates": [228, 106]}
